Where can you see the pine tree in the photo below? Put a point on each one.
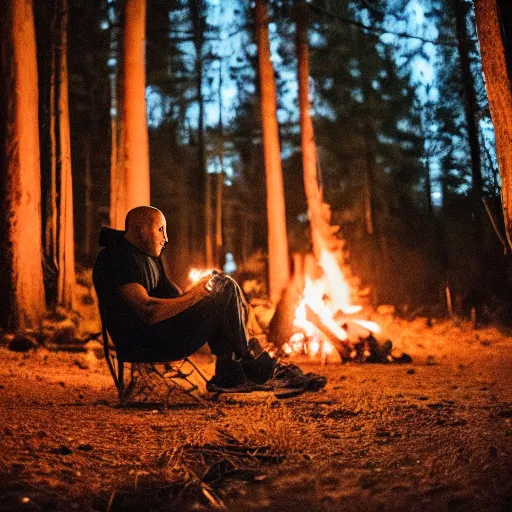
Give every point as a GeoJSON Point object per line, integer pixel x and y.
{"type": "Point", "coordinates": [21, 279]}
{"type": "Point", "coordinates": [500, 97]}
{"type": "Point", "coordinates": [277, 239]}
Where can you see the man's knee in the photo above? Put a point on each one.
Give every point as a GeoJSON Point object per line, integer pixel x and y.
{"type": "Point", "coordinates": [224, 286]}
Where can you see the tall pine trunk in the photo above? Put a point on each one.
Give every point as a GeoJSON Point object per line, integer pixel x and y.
{"type": "Point", "coordinates": [21, 279]}
{"type": "Point", "coordinates": [65, 230]}
{"type": "Point", "coordinates": [279, 271]}
{"type": "Point", "coordinates": [500, 97]}
{"type": "Point", "coordinates": [117, 167]}
{"type": "Point", "coordinates": [470, 109]}
{"type": "Point", "coordinates": [136, 144]}
{"type": "Point", "coordinates": [314, 195]}
{"type": "Point", "coordinates": [201, 185]}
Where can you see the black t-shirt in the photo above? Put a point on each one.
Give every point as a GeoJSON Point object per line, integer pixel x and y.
{"type": "Point", "coordinates": [121, 263]}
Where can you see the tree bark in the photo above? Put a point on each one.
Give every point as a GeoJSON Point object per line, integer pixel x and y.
{"type": "Point", "coordinates": [51, 219]}
{"type": "Point", "coordinates": [500, 97]}
{"type": "Point", "coordinates": [201, 185]}
{"type": "Point", "coordinates": [279, 269]}
{"type": "Point", "coordinates": [208, 217]}
{"type": "Point", "coordinates": [220, 181]}
{"type": "Point", "coordinates": [117, 153]}
{"type": "Point", "coordinates": [65, 229]}
{"type": "Point", "coordinates": [136, 145]}
{"type": "Point", "coordinates": [470, 109]}
{"type": "Point", "coordinates": [21, 279]}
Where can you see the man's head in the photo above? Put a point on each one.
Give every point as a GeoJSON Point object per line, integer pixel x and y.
{"type": "Point", "coordinates": [146, 229]}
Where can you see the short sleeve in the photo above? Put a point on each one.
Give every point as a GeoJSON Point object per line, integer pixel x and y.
{"type": "Point", "coordinates": [123, 269]}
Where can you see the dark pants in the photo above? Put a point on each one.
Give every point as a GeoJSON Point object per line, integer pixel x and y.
{"type": "Point", "coordinates": [219, 320]}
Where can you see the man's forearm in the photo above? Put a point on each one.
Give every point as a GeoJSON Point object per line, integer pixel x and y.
{"type": "Point", "coordinates": [162, 309]}
{"type": "Point", "coordinates": [152, 310]}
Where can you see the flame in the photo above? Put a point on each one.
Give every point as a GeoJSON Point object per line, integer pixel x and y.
{"type": "Point", "coordinates": [327, 348]}
{"type": "Point", "coordinates": [337, 285]}
{"type": "Point", "coordinates": [326, 297]}
{"type": "Point", "coordinates": [313, 347]}
{"type": "Point", "coordinates": [196, 274]}
{"type": "Point", "coordinates": [367, 324]}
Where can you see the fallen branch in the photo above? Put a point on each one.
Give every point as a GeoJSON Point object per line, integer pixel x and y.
{"type": "Point", "coordinates": [343, 348]}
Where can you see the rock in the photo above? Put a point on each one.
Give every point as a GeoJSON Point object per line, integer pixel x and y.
{"type": "Point", "coordinates": [23, 342]}
{"type": "Point", "coordinates": [63, 450]}
{"type": "Point", "coordinates": [65, 332]}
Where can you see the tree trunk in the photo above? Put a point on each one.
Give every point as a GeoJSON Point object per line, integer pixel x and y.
{"type": "Point", "coordinates": [65, 230]}
{"type": "Point", "coordinates": [208, 216]}
{"type": "Point", "coordinates": [117, 167]}
{"type": "Point", "coordinates": [218, 218]}
{"type": "Point", "coordinates": [21, 279]}
{"type": "Point", "coordinates": [136, 145]}
{"type": "Point", "coordinates": [220, 181]}
{"type": "Point", "coordinates": [89, 203]}
{"type": "Point", "coordinates": [470, 109]}
{"type": "Point", "coordinates": [500, 97]}
{"type": "Point", "coordinates": [201, 185]}
{"type": "Point", "coordinates": [309, 156]}
{"type": "Point", "coordinates": [279, 270]}
{"type": "Point", "coordinates": [51, 218]}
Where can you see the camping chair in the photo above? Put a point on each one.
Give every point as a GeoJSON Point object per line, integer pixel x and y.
{"type": "Point", "coordinates": [145, 379]}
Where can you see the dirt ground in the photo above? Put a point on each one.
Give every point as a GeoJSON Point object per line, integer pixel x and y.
{"type": "Point", "coordinates": [432, 435]}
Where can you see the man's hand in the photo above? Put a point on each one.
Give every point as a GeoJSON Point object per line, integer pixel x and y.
{"type": "Point", "coordinates": [202, 288]}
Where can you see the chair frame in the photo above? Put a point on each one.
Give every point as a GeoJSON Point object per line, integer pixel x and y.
{"type": "Point", "coordinates": [173, 377]}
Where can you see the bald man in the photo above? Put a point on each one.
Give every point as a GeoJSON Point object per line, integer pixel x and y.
{"type": "Point", "coordinates": [151, 319]}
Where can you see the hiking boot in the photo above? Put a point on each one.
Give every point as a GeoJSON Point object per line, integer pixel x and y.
{"type": "Point", "coordinates": [291, 376]}
{"type": "Point", "coordinates": [259, 369]}
{"type": "Point", "coordinates": [228, 372]}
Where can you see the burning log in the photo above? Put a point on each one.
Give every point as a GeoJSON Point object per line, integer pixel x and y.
{"type": "Point", "coordinates": [342, 346]}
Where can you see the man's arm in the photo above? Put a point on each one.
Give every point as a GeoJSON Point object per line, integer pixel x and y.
{"type": "Point", "coordinates": [152, 310]}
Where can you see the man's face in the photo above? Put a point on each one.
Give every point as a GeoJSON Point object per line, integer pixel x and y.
{"type": "Point", "coordinates": [154, 235]}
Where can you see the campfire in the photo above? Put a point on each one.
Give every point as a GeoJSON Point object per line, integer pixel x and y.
{"type": "Point", "coordinates": [326, 320]}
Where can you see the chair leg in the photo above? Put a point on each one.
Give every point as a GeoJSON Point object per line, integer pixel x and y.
{"type": "Point", "coordinates": [120, 387]}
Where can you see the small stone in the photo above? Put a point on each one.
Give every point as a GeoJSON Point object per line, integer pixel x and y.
{"type": "Point", "coordinates": [23, 342]}
{"type": "Point", "coordinates": [411, 371]}
{"type": "Point", "coordinates": [63, 450]}
{"type": "Point", "coordinates": [85, 447]}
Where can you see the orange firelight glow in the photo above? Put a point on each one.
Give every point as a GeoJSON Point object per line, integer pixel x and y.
{"type": "Point", "coordinates": [196, 274]}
